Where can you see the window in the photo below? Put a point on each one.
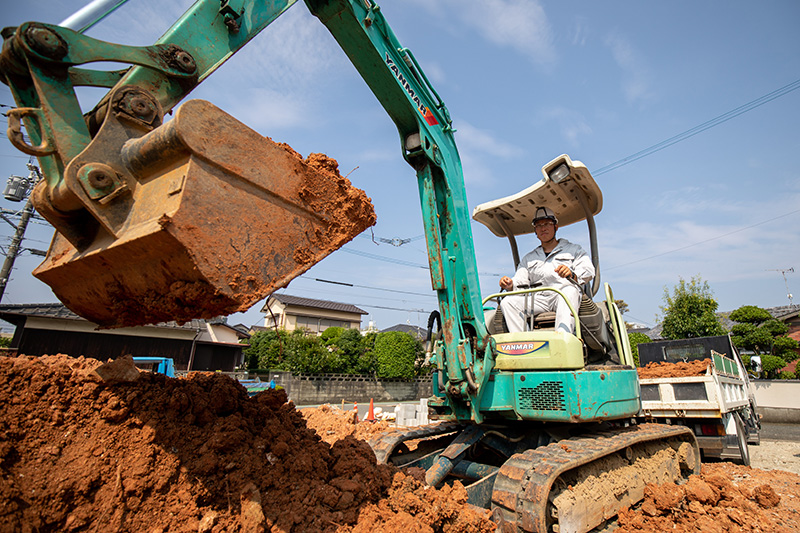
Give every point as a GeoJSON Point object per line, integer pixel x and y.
{"type": "Point", "coordinates": [318, 324]}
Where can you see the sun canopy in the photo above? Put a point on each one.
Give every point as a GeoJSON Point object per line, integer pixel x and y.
{"type": "Point", "coordinates": [516, 211]}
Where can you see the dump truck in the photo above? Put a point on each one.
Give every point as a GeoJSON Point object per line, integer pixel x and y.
{"type": "Point", "coordinates": [540, 425]}
{"type": "Point", "coordinates": [716, 402]}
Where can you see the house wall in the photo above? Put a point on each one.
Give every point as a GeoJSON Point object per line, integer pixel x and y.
{"type": "Point", "coordinates": [104, 346]}
{"type": "Point", "coordinates": [312, 319]}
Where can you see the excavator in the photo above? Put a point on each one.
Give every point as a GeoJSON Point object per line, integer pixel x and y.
{"type": "Point", "coordinates": [539, 426]}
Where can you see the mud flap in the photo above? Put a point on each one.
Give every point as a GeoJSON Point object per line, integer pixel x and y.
{"type": "Point", "coordinates": [209, 218]}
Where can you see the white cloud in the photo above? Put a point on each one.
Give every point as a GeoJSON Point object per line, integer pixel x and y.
{"type": "Point", "coordinates": [266, 110]}
{"type": "Point", "coordinates": [572, 124]}
{"type": "Point", "coordinates": [521, 25]}
{"type": "Point", "coordinates": [579, 33]}
{"type": "Point", "coordinates": [474, 147]}
{"type": "Point", "coordinates": [740, 250]}
{"type": "Point", "coordinates": [636, 84]}
{"type": "Point", "coordinates": [476, 140]}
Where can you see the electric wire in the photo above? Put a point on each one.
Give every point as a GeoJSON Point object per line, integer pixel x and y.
{"type": "Point", "coordinates": [705, 240]}
{"type": "Point", "coordinates": [716, 121]}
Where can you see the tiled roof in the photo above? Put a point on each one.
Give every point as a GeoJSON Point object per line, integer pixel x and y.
{"type": "Point", "coordinates": [58, 310]}
{"type": "Point", "coordinates": [406, 328]}
{"type": "Point", "coordinates": [287, 299]}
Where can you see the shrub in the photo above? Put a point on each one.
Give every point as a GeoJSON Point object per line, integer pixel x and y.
{"type": "Point", "coordinates": [396, 352]}
{"type": "Point", "coordinates": [636, 339]}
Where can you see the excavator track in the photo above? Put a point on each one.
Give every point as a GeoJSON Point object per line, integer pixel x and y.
{"type": "Point", "coordinates": [576, 484]}
{"type": "Point", "coordinates": [386, 444]}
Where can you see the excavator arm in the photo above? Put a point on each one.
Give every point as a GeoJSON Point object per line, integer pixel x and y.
{"type": "Point", "coordinates": [137, 202]}
{"type": "Point", "coordinates": [424, 125]}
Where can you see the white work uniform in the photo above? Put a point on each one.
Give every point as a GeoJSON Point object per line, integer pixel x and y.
{"type": "Point", "coordinates": [538, 267]}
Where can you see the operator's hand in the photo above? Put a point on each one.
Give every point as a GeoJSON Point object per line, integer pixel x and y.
{"type": "Point", "coordinates": [506, 283]}
{"type": "Point", "coordinates": [563, 271]}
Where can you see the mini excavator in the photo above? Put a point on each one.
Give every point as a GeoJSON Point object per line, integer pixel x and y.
{"type": "Point", "coordinates": [538, 425]}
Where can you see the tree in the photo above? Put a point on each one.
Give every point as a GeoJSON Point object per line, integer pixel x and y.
{"type": "Point", "coordinates": [636, 339]}
{"type": "Point", "coordinates": [623, 307]}
{"type": "Point", "coordinates": [266, 350]}
{"type": "Point", "coordinates": [351, 348]}
{"type": "Point", "coordinates": [690, 311]}
{"type": "Point", "coordinates": [396, 353]}
{"type": "Point", "coordinates": [758, 332]}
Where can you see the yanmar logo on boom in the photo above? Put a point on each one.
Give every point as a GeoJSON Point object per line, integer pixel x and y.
{"type": "Point", "coordinates": [423, 110]}
{"type": "Point", "coordinates": [520, 348]}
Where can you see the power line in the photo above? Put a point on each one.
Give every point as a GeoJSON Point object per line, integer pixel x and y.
{"type": "Point", "coordinates": [777, 93]}
{"type": "Point", "coordinates": [371, 288]}
{"type": "Point", "coordinates": [403, 262]}
{"type": "Point", "coordinates": [705, 241]}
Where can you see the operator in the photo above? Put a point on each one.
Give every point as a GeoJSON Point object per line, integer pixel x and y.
{"type": "Point", "coordinates": [555, 263]}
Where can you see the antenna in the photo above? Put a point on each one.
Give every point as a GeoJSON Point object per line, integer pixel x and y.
{"type": "Point", "coordinates": [783, 272]}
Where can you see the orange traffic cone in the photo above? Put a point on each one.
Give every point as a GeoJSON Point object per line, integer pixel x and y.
{"type": "Point", "coordinates": [371, 414]}
{"type": "Point", "coordinates": [355, 410]}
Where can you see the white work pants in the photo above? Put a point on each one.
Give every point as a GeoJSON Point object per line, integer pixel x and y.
{"type": "Point", "coordinates": [517, 308]}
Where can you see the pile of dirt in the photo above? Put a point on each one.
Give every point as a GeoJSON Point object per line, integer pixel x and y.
{"type": "Point", "coordinates": [724, 497]}
{"type": "Point", "coordinates": [90, 448]}
{"type": "Point", "coordinates": [333, 424]}
{"type": "Point", "coordinates": [674, 370]}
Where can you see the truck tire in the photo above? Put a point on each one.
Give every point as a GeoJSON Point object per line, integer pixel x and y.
{"type": "Point", "coordinates": [741, 438]}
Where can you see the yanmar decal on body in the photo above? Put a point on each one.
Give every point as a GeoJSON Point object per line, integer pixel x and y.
{"type": "Point", "coordinates": [520, 348]}
{"type": "Point", "coordinates": [423, 109]}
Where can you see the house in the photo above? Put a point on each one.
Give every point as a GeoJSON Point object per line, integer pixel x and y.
{"type": "Point", "coordinates": [789, 315]}
{"type": "Point", "coordinates": [52, 329]}
{"type": "Point", "coordinates": [284, 311]}
{"type": "Point", "coordinates": [415, 331]}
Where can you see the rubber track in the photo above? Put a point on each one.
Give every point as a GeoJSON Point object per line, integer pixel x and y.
{"type": "Point", "coordinates": [523, 483]}
{"type": "Point", "coordinates": [384, 445]}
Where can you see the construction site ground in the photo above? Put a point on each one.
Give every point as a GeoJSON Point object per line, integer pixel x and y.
{"type": "Point", "coordinates": [91, 448]}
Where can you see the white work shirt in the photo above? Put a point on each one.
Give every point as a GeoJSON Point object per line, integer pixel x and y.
{"type": "Point", "coordinates": [538, 267]}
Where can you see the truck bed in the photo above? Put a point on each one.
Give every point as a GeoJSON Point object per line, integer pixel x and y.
{"type": "Point", "coordinates": [721, 390]}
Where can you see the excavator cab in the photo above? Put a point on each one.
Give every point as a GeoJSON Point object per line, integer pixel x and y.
{"type": "Point", "coordinates": [533, 370]}
{"type": "Point", "coordinates": [569, 190]}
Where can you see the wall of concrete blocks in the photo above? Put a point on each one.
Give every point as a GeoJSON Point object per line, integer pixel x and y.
{"type": "Point", "coordinates": [336, 388]}
{"type": "Point", "coordinates": [776, 399]}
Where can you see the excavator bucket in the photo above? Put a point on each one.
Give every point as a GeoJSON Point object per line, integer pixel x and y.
{"type": "Point", "coordinates": [218, 218]}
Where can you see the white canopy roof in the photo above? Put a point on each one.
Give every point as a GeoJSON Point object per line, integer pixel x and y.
{"type": "Point", "coordinates": [517, 211]}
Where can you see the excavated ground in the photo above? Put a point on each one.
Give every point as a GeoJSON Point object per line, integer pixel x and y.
{"type": "Point", "coordinates": [90, 448]}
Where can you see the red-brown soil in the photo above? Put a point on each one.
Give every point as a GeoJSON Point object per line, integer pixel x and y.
{"type": "Point", "coordinates": [90, 448]}
{"type": "Point", "coordinates": [674, 370]}
{"type": "Point", "coordinates": [143, 452]}
{"type": "Point", "coordinates": [228, 217]}
{"type": "Point", "coordinates": [724, 497]}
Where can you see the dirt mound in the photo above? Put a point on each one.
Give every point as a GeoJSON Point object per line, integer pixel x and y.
{"type": "Point", "coordinates": [674, 370]}
{"type": "Point", "coordinates": [724, 497]}
{"type": "Point", "coordinates": [150, 453]}
{"type": "Point", "coordinates": [333, 424]}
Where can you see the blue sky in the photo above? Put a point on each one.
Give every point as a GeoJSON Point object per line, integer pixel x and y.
{"type": "Point", "coordinates": [524, 82]}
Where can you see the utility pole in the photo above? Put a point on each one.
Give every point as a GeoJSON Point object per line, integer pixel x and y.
{"type": "Point", "coordinates": [783, 272]}
{"type": "Point", "coordinates": [16, 190]}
